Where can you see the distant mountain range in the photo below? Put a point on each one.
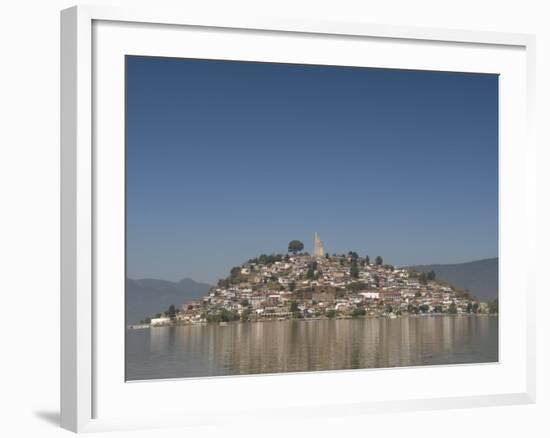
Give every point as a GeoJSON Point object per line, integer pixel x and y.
{"type": "Point", "coordinates": [480, 276]}
{"type": "Point", "coordinates": [149, 296]}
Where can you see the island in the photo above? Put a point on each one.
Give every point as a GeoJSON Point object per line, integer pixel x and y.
{"type": "Point", "coordinates": [302, 286]}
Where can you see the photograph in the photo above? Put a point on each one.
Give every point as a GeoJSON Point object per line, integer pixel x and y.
{"type": "Point", "coordinates": [288, 218]}
{"type": "Point", "coordinates": [253, 219]}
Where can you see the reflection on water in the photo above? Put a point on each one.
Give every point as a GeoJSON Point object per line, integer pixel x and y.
{"type": "Point", "coordinates": [290, 346]}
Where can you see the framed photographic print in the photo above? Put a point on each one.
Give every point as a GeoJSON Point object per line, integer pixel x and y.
{"type": "Point", "coordinates": [263, 208]}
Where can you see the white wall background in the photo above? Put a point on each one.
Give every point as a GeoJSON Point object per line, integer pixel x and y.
{"type": "Point", "coordinates": [29, 213]}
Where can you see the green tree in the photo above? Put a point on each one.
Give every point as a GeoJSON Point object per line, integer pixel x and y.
{"type": "Point", "coordinates": [358, 311]}
{"type": "Point", "coordinates": [452, 309]}
{"type": "Point", "coordinates": [235, 275]}
{"type": "Point", "coordinates": [213, 317]}
{"type": "Point", "coordinates": [295, 246]}
{"type": "Point", "coordinates": [310, 274]}
{"type": "Point", "coordinates": [265, 259]}
{"type": "Point", "coordinates": [223, 283]}
{"type": "Point", "coordinates": [293, 307]}
{"type": "Point", "coordinates": [245, 315]}
{"type": "Point", "coordinates": [367, 260]}
{"type": "Point", "coordinates": [356, 286]}
{"type": "Point", "coordinates": [228, 315]}
{"type": "Point", "coordinates": [379, 261]}
{"type": "Point", "coordinates": [354, 271]}
{"type": "Point", "coordinates": [493, 306]}
{"type": "Point", "coordinates": [331, 313]}
{"type": "Point", "coordinates": [171, 311]}
{"type": "Point", "coordinates": [430, 275]}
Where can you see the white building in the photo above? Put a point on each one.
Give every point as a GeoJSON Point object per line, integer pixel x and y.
{"type": "Point", "coordinates": [159, 321]}
{"type": "Point", "coordinates": [370, 295]}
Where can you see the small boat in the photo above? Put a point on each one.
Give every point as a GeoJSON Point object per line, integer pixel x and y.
{"type": "Point", "coordinates": [223, 324]}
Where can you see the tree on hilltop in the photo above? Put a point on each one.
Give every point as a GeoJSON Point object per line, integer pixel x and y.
{"type": "Point", "coordinates": [224, 283]}
{"type": "Point", "coordinates": [379, 261]}
{"type": "Point", "coordinates": [295, 246]}
{"type": "Point", "coordinates": [235, 275]}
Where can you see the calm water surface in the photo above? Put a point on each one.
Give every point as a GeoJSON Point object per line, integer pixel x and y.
{"type": "Point", "coordinates": [290, 346]}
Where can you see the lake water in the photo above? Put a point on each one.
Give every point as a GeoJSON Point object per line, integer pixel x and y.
{"type": "Point", "coordinates": [291, 346]}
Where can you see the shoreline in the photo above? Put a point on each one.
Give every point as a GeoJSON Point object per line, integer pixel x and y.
{"type": "Point", "coordinates": [323, 318]}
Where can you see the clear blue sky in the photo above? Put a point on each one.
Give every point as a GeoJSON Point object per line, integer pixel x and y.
{"type": "Point", "coordinates": [227, 160]}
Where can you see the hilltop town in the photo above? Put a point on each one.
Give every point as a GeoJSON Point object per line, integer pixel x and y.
{"type": "Point", "coordinates": [298, 285]}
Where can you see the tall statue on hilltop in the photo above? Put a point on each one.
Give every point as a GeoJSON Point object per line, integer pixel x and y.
{"type": "Point", "coordinates": [318, 250]}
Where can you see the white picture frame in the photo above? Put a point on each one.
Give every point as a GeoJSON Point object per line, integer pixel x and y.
{"type": "Point", "coordinates": [87, 387]}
